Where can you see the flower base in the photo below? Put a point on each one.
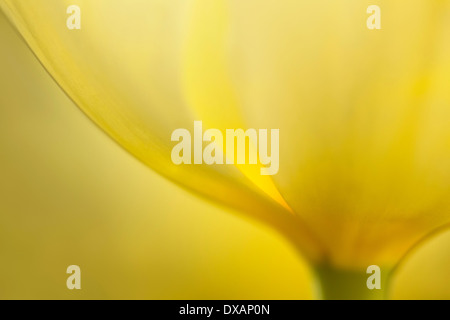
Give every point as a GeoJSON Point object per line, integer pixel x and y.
{"type": "Point", "coordinates": [340, 284]}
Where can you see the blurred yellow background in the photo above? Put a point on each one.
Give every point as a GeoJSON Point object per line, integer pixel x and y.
{"type": "Point", "coordinates": [70, 195]}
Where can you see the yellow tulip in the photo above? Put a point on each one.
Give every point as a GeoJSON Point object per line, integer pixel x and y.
{"type": "Point", "coordinates": [363, 114]}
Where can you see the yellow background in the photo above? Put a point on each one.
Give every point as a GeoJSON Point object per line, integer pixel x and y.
{"type": "Point", "coordinates": [70, 195]}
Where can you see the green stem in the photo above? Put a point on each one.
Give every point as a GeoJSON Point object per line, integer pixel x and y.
{"type": "Point", "coordinates": [340, 284]}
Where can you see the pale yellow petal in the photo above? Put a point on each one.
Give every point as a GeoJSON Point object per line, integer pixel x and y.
{"type": "Point", "coordinates": [364, 116]}
{"type": "Point", "coordinates": [124, 69]}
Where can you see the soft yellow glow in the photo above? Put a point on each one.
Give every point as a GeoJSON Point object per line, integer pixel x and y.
{"type": "Point", "coordinates": [363, 114]}
{"type": "Point", "coordinates": [70, 195]}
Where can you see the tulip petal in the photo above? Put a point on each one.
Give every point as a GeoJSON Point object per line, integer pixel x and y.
{"type": "Point", "coordinates": [364, 116]}
{"type": "Point", "coordinates": [124, 69]}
